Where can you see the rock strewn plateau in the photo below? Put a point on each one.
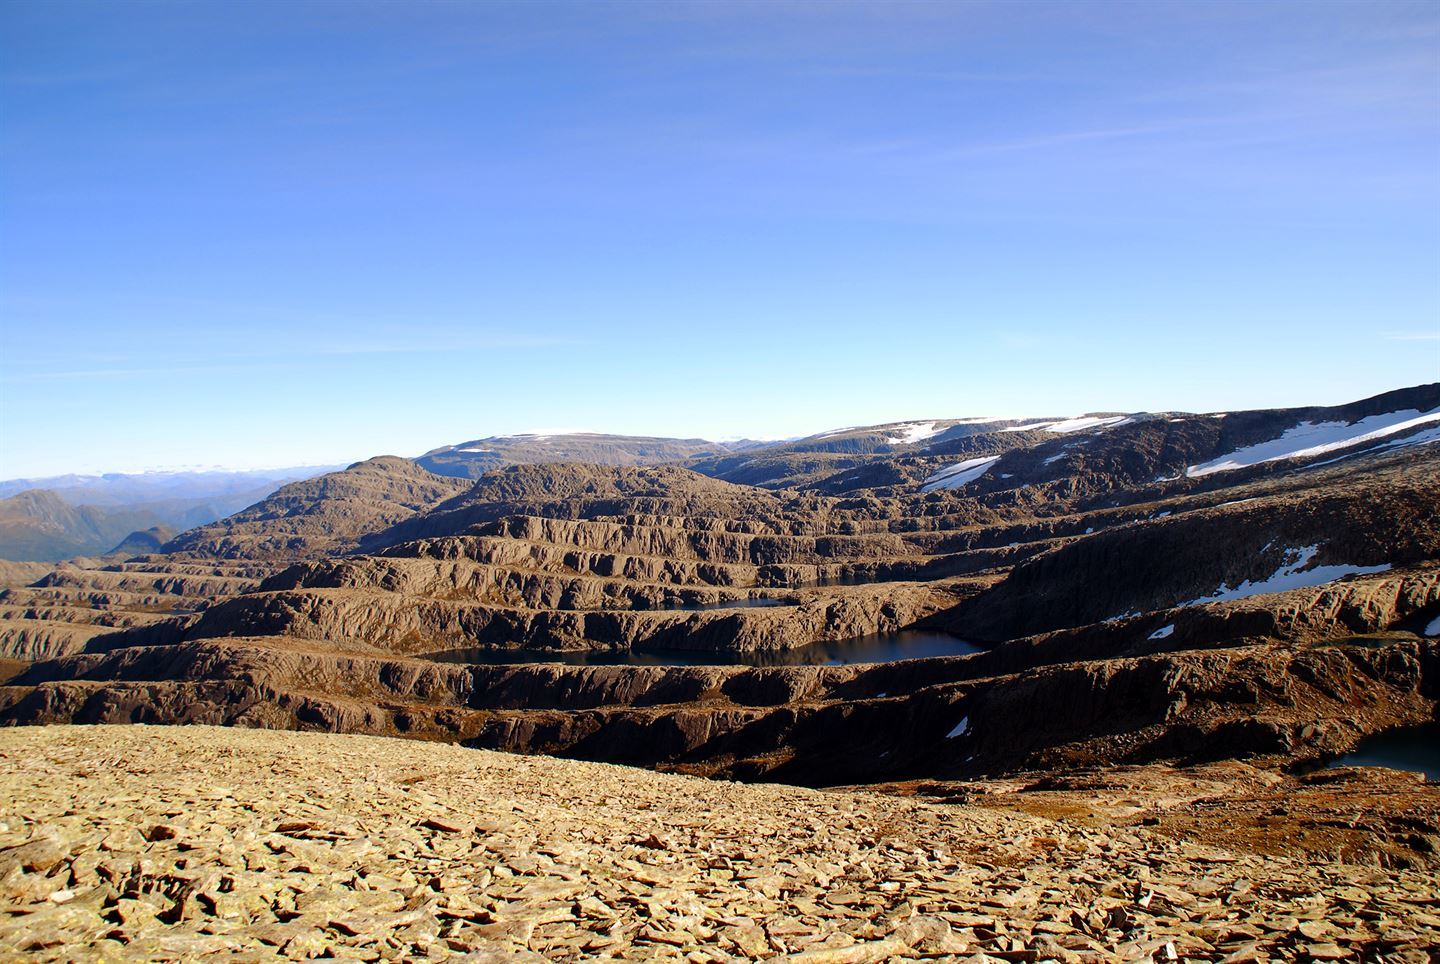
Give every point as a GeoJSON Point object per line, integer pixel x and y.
{"type": "Point", "coordinates": [173, 844]}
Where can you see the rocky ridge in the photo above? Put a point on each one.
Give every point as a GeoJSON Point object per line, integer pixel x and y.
{"type": "Point", "coordinates": [472, 459]}
{"type": "Point", "coordinates": [326, 514]}
{"type": "Point", "coordinates": [1164, 662]}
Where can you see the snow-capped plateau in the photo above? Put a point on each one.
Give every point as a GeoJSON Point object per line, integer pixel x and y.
{"type": "Point", "coordinates": [1077, 424]}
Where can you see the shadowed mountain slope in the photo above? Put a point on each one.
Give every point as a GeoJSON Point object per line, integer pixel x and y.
{"type": "Point", "coordinates": [327, 514]}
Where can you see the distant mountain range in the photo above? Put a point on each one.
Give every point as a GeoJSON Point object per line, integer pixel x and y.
{"type": "Point", "coordinates": [57, 518]}
{"type": "Point", "coordinates": [60, 517]}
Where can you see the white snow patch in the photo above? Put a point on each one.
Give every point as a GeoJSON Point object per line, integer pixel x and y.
{"type": "Point", "coordinates": [914, 432]}
{"type": "Point", "coordinates": [1419, 438]}
{"type": "Point", "coordinates": [1434, 628]}
{"type": "Point", "coordinates": [1316, 438]}
{"type": "Point", "coordinates": [1161, 515]}
{"type": "Point", "coordinates": [1055, 458]}
{"type": "Point", "coordinates": [1089, 530]}
{"type": "Point", "coordinates": [1162, 632]}
{"type": "Point", "coordinates": [836, 431]}
{"type": "Point", "coordinates": [1077, 424]}
{"type": "Point", "coordinates": [882, 694]}
{"type": "Point", "coordinates": [1292, 574]}
{"type": "Point", "coordinates": [478, 451]}
{"type": "Point", "coordinates": [959, 729]}
{"type": "Point", "coordinates": [961, 473]}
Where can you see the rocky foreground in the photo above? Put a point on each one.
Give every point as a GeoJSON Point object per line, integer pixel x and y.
{"type": "Point", "coordinates": [166, 843]}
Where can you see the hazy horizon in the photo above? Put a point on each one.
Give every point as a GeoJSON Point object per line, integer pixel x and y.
{"type": "Point", "coordinates": [260, 235]}
{"type": "Point", "coordinates": [412, 452]}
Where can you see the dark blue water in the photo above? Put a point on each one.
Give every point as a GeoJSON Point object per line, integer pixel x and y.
{"type": "Point", "coordinates": [758, 603]}
{"type": "Point", "coordinates": [1414, 748]}
{"type": "Point", "coordinates": [880, 648]}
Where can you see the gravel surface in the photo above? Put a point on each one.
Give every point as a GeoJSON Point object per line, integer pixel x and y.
{"type": "Point", "coordinates": [169, 843]}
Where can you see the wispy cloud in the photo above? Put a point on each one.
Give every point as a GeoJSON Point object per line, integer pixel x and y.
{"type": "Point", "coordinates": [1412, 336]}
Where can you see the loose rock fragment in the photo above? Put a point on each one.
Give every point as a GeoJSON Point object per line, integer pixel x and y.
{"type": "Point", "coordinates": [546, 859]}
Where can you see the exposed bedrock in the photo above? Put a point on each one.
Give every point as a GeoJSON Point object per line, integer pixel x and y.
{"type": "Point", "coordinates": [1357, 605]}
{"type": "Point", "coordinates": [578, 491]}
{"type": "Point", "coordinates": [816, 725]}
{"type": "Point", "coordinates": [582, 581]}
{"type": "Point", "coordinates": [707, 546]}
{"type": "Point", "coordinates": [31, 639]}
{"type": "Point", "coordinates": [499, 584]}
{"type": "Point", "coordinates": [399, 623]}
{"type": "Point", "coordinates": [547, 557]}
{"type": "Point", "coordinates": [71, 609]}
{"type": "Point", "coordinates": [565, 559]}
{"type": "Point", "coordinates": [326, 514]}
{"type": "Point", "coordinates": [163, 583]}
{"type": "Point", "coordinates": [1157, 565]}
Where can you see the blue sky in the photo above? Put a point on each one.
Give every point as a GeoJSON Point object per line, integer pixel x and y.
{"type": "Point", "coordinates": [260, 234]}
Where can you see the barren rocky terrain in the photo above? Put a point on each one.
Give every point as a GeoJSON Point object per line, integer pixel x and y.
{"type": "Point", "coordinates": [162, 843]}
{"type": "Point", "coordinates": [1162, 628]}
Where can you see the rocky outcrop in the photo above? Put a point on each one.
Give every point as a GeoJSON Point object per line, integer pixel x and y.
{"type": "Point", "coordinates": [21, 573]}
{"type": "Point", "coordinates": [71, 609]}
{"type": "Point", "coordinates": [399, 623]}
{"type": "Point", "coordinates": [1389, 521]}
{"type": "Point", "coordinates": [144, 541]}
{"type": "Point", "coordinates": [937, 718]}
{"type": "Point", "coordinates": [31, 639]}
{"type": "Point", "coordinates": [327, 514]}
{"type": "Point", "coordinates": [577, 491]}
